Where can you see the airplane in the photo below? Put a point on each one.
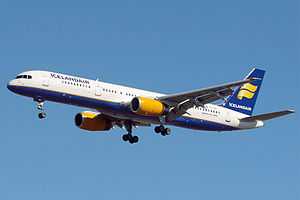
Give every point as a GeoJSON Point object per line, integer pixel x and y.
{"type": "Point", "coordinates": [110, 105]}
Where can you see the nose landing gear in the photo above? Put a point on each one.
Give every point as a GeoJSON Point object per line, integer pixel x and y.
{"type": "Point", "coordinates": [40, 107]}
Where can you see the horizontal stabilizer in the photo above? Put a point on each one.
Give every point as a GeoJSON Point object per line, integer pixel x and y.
{"type": "Point", "coordinates": [267, 116]}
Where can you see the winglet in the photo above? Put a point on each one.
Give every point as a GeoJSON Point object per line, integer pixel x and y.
{"type": "Point", "coordinates": [291, 110]}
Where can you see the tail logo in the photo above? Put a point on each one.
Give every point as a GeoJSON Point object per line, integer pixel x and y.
{"type": "Point", "coordinates": [247, 91]}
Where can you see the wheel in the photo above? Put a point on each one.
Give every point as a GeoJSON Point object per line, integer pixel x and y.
{"type": "Point", "coordinates": [135, 139]}
{"type": "Point", "coordinates": [42, 115]}
{"type": "Point", "coordinates": [168, 131]}
{"type": "Point", "coordinates": [157, 129]}
{"type": "Point", "coordinates": [40, 104]}
{"type": "Point", "coordinates": [125, 137]}
{"type": "Point", "coordinates": [131, 140]}
{"type": "Point", "coordinates": [162, 128]}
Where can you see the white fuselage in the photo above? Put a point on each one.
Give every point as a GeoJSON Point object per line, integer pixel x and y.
{"type": "Point", "coordinates": [114, 100]}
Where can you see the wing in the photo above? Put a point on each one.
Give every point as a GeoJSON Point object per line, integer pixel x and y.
{"type": "Point", "coordinates": [185, 100]}
{"type": "Point", "coordinates": [120, 122]}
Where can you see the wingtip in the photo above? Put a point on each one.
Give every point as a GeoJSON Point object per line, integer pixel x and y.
{"type": "Point", "coordinates": [291, 111]}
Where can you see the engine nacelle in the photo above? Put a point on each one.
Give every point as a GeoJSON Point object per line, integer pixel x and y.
{"type": "Point", "coordinates": [147, 106]}
{"type": "Point", "coordinates": [92, 121]}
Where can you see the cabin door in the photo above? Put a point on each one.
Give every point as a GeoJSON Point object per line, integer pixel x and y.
{"type": "Point", "coordinates": [98, 90]}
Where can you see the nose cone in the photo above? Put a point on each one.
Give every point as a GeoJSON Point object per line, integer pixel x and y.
{"type": "Point", "coordinates": [11, 86]}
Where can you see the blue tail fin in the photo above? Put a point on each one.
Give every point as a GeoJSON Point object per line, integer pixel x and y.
{"type": "Point", "coordinates": [243, 98]}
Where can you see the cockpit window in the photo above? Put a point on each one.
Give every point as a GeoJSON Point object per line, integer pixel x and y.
{"type": "Point", "coordinates": [24, 76]}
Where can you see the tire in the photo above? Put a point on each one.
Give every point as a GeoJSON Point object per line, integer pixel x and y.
{"type": "Point", "coordinates": [131, 141]}
{"type": "Point", "coordinates": [168, 131]}
{"type": "Point", "coordinates": [157, 129]}
{"type": "Point", "coordinates": [125, 137]}
{"type": "Point", "coordinates": [162, 128]}
{"type": "Point", "coordinates": [42, 115]}
{"type": "Point", "coordinates": [135, 139]}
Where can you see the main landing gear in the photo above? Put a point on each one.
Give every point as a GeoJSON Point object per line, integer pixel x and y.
{"type": "Point", "coordinates": [162, 130]}
{"type": "Point", "coordinates": [40, 107]}
{"type": "Point", "coordinates": [129, 137]}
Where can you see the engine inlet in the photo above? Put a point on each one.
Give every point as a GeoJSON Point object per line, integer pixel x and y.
{"type": "Point", "coordinates": [78, 119]}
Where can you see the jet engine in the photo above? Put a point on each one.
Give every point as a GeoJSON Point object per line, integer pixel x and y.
{"type": "Point", "coordinates": [147, 106]}
{"type": "Point", "coordinates": [92, 121]}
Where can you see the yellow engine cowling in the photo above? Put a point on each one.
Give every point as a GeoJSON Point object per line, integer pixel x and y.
{"type": "Point", "coordinates": [147, 106]}
{"type": "Point", "coordinates": [92, 121]}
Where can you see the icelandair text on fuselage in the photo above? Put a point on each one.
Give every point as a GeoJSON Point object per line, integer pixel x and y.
{"type": "Point", "coordinates": [233, 105]}
{"type": "Point", "coordinates": [67, 78]}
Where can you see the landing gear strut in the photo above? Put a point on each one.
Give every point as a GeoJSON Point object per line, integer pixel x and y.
{"type": "Point", "coordinates": [162, 130]}
{"type": "Point", "coordinates": [129, 137]}
{"type": "Point", "coordinates": [40, 107]}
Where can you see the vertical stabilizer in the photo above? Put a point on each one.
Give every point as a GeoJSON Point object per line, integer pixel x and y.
{"type": "Point", "coordinates": [243, 98]}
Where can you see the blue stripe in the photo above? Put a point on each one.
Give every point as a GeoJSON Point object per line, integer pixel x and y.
{"type": "Point", "coordinates": [119, 109]}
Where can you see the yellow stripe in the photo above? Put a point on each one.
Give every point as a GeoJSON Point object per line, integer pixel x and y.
{"type": "Point", "coordinates": [246, 94]}
{"type": "Point", "coordinates": [250, 87]}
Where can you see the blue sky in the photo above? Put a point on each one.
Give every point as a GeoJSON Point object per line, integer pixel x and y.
{"type": "Point", "coordinates": [166, 46]}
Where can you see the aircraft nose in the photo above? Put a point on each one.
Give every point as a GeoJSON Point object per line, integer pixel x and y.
{"type": "Point", "coordinates": [11, 86]}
